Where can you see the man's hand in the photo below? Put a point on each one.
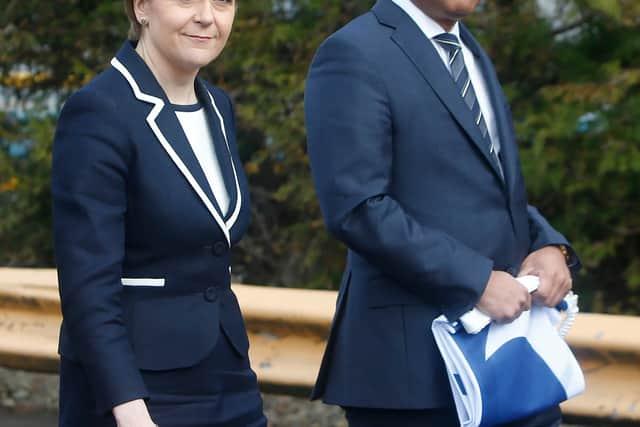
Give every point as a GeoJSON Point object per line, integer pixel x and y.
{"type": "Point", "coordinates": [133, 414]}
{"type": "Point", "coordinates": [504, 299]}
{"type": "Point", "coordinates": [549, 264]}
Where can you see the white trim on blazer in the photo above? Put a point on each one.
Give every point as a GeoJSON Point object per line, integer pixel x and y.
{"type": "Point", "coordinates": [129, 281]}
{"type": "Point", "coordinates": [151, 119]}
{"type": "Point", "coordinates": [236, 211]}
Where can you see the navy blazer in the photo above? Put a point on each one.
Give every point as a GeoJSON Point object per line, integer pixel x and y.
{"type": "Point", "coordinates": [407, 182]}
{"type": "Point", "coordinates": [142, 248]}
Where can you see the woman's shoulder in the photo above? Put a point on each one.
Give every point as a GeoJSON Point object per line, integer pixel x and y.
{"type": "Point", "coordinates": [101, 95]}
{"type": "Point", "coordinates": [97, 110]}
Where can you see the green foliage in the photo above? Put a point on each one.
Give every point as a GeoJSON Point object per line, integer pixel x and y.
{"type": "Point", "coordinates": [25, 236]}
{"type": "Point", "coordinates": [572, 77]}
{"type": "Point", "coordinates": [264, 69]}
{"type": "Point", "coordinates": [574, 92]}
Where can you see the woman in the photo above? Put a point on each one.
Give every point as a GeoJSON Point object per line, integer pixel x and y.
{"type": "Point", "coordinates": [148, 197]}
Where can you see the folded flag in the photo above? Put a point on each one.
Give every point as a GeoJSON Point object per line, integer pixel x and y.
{"type": "Point", "coordinates": [504, 372]}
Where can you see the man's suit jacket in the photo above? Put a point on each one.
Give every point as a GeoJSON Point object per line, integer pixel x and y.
{"type": "Point", "coordinates": [406, 181]}
{"type": "Point", "coordinates": [142, 248]}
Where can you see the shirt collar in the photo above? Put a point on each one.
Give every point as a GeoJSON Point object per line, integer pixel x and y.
{"type": "Point", "coordinates": [427, 25]}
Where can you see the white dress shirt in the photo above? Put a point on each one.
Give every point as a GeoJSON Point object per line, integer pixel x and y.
{"type": "Point", "coordinates": [431, 28]}
{"type": "Point", "coordinates": [195, 126]}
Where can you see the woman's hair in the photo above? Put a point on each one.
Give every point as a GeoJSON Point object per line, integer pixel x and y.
{"type": "Point", "coordinates": [134, 25]}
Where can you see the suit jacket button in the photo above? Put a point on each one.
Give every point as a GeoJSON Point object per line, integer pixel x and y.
{"type": "Point", "coordinates": [219, 248]}
{"type": "Point", "coordinates": [211, 294]}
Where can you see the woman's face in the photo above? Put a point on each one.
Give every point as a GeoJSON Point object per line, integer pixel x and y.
{"type": "Point", "coordinates": [185, 35]}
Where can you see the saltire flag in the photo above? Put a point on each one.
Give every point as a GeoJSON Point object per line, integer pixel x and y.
{"type": "Point", "coordinates": [506, 372]}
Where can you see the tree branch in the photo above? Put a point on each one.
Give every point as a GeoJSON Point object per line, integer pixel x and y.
{"type": "Point", "coordinates": [573, 25]}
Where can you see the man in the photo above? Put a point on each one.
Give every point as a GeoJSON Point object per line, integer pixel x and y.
{"type": "Point", "coordinates": [416, 167]}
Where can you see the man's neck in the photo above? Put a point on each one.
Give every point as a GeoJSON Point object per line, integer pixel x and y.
{"type": "Point", "coordinates": [446, 23]}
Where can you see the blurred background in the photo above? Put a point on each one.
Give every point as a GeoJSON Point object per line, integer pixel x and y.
{"type": "Point", "coordinates": [570, 69]}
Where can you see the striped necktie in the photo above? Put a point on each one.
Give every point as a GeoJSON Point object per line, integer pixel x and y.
{"type": "Point", "coordinates": [461, 77]}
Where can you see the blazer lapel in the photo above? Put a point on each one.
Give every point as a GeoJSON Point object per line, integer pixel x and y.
{"type": "Point", "coordinates": [220, 145]}
{"type": "Point", "coordinates": [165, 126]}
{"type": "Point", "coordinates": [229, 171]}
{"type": "Point", "coordinates": [418, 48]}
{"type": "Point", "coordinates": [174, 134]}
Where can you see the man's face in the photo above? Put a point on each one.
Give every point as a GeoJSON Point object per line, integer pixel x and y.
{"type": "Point", "coordinates": [447, 12]}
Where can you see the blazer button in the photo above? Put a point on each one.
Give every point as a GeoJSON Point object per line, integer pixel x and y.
{"type": "Point", "coordinates": [219, 248]}
{"type": "Point", "coordinates": [211, 294]}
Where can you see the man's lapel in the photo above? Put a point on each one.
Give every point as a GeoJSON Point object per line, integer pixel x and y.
{"type": "Point", "coordinates": [412, 41]}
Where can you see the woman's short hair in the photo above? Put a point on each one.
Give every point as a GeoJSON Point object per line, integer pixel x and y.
{"type": "Point", "coordinates": [134, 25]}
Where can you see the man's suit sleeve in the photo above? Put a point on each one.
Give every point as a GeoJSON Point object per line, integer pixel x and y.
{"type": "Point", "coordinates": [543, 234]}
{"type": "Point", "coordinates": [89, 204]}
{"type": "Point", "coordinates": [350, 143]}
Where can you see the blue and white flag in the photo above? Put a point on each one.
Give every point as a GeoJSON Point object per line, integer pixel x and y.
{"type": "Point", "coordinates": [505, 372]}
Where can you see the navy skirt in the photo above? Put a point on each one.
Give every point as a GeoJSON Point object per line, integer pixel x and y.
{"type": "Point", "coordinates": [220, 391]}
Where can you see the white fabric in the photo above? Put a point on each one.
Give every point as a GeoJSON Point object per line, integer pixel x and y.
{"type": "Point", "coordinates": [195, 126]}
{"type": "Point", "coordinates": [431, 28]}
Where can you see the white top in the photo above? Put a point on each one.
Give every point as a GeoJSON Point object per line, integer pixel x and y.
{"type": "Point", "coordinates": [195, 126]}
{"type": "Point", "coordinates": [431, 28]}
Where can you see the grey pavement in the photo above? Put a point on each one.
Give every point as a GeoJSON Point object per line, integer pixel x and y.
{"type": "Point", "coordinates": [48, 419]}
{"type": "Point", "coordinates": [27, 419]}
{"type": "Point", "coordinates": [30, 400]}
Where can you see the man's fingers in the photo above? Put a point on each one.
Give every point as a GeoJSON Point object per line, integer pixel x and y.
{"type": "Point", "coordinates": [560, 286]}
{"type": "Point", "coordinates": [555, 284]}
{"type": "Point", "coordinates": [567, 285]}
{"type": "Point", "coordinates": [556, 289]}
{"type": "Point", "coordinates": [525, 303]}
{"type": "Point", "coordinates": [504, 299]}
{"type": "Point", "coordinates": [526, 270]}
{"type": "Point", "coordinates": [510, 314]}
{"type": "Point", "coordinates": [545, 288]}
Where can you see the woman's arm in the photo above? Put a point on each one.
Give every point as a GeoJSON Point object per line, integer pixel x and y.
{"type": "Point", "coordinates": [133, 414]}
{"type": "Point", "coordinates": [89, 202]}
